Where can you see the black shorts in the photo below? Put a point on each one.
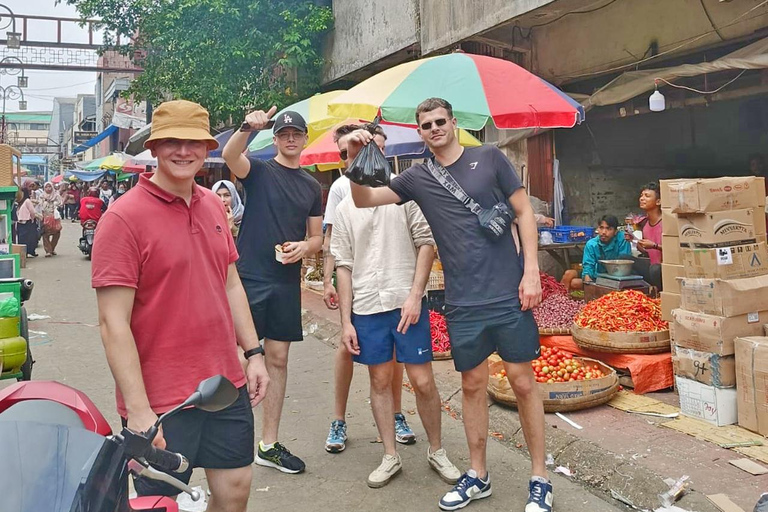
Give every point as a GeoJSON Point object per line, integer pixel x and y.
{"type": "Point", "coordinates": [476, 332]}
{"type": "Point", "coordinates": [212, 440]}
{"type": "Point", "coordinates": [275, 308]}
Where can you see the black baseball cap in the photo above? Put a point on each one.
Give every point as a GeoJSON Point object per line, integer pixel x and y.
{"type": "Point", "coordinates": [289, 119]}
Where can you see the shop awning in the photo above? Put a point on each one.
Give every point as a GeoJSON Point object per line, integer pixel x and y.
{"type": "Point", "coordinates": [100, 137]}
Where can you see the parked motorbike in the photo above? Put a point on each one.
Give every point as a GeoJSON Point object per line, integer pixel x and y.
{"type": "Point", "coordinates": [15, 350]}
{"type": "Point", "coordinates": [58, 452]}
{"type": "Point", "coordinates": [86, 241]}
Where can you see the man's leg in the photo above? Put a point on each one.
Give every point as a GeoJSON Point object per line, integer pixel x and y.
{"type": "Point", "coordinates": [531, 411]}
{"type": "Point", "coordinates": [343, 371]}
{"type": "Point", "coordinates": [474, 384]}
{"type": "Point", "coordinates": [276, 360]}
{"type": "Point", "coordinates": [397, 387]}
{"type": "Point", "coordinates": [427, 401]}
{"type": "Point", "coordinates": [230, 489]}
{"type": "Point", "coordinates": [382, 404]}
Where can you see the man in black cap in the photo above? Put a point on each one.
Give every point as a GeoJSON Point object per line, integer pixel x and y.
{"type": "Point", "coordinates": [281, 225]}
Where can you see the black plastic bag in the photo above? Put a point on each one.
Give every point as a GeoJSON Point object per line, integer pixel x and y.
{"type": "Point", "coordinates": [370, 166]}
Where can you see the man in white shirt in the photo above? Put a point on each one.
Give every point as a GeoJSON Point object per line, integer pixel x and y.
{"type": "Point", "coordinates": [383, 258]}
{"type": "Point", "coordinates": [343, 364]}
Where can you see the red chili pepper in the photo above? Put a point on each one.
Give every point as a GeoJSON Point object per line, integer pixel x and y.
{"type": "Point", "coordinates": [439, 330]}
{"type": "Point", "coordinates": [623, 311]}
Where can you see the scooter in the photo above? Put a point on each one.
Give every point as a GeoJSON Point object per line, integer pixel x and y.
{"type": "Point", "coordinates": [86, 241]}
{"type": "Point", "coordinates": [58, 453]}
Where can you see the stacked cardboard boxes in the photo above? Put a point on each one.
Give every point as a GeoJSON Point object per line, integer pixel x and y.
{"type": "Point", "coordinates": [715, 277]}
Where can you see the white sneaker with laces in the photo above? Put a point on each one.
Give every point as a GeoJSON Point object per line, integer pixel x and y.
{"type": "Point", "coordinates": [444, 467]}
{"type": "Point", "coordinates": [389, 467]}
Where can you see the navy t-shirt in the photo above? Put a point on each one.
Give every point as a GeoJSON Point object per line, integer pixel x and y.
{"type": "Point", "coordinates": [478, 270]}
{"type": "Point", "coordinates": [279, 200]}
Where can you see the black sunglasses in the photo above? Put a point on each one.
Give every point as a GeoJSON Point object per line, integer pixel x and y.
{"type": "Point", "coordinates": [438, 122]}
{"type": "Point", "coordinates": [344, 154]}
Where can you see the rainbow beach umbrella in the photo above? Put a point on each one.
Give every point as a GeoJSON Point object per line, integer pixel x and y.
{"type": "Point", "coordinates": [314, 110]}
{"type": "Point", "coordinates": [479, 88]}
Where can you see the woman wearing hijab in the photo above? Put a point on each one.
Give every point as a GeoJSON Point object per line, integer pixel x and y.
{"type": "Point", "coordinates": [118, 193]}
{"type": "Point", "coordinates": [51, 201]}
{"type": "Point", "coordinates": [232, 203]}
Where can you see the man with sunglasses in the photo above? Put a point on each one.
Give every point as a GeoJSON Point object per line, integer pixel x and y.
{"type": "Point", "coordinates": [283, 209]}
{"type": "Point", "coordinates": [490, 288]}
{"type": "Point", "coordinates": [343, 363]}
{"type": "Point", "coordinates": [383, 258]}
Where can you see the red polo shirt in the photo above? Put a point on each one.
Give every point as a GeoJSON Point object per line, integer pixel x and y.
{"type": "Point", "coordinates": [176, 257]}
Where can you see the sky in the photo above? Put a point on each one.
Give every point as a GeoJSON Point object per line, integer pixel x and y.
{"type": "Point", "coordinates": [45, 85]}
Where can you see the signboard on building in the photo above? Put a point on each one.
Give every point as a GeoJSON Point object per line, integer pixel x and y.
{"type": "Point", "coordinates": [81, 137]}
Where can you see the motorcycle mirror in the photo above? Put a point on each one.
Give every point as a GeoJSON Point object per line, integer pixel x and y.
{"type": "Point", "coordinates": [213, 394]}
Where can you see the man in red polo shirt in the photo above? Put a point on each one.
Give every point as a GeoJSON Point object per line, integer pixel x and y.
{"type": "Point", "coordinates": [173, 311]}
{"type": "Point", "coordinates": [91, 206]}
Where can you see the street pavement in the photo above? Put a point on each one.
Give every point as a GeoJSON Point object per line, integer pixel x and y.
{"type": "Point", "coordinates": [67, 348]}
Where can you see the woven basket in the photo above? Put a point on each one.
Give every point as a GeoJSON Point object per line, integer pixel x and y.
{"type": "Point", "coordinates": [441, 356]}
{"type": "Point", "coordinates": [436, 281]}
{"type": "Point", "coordinates": [6, 165]}
{"type": "Point", "coordinates": [621, 342]}
{"type": "Point", "coordinates": [554, 331]}
{"type": "Point", "coordinates": [560, 396]}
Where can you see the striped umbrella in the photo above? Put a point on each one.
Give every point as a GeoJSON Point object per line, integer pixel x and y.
{"type": "Point", "coordinates": [478, 87]}
{"type": "Point", "coordinates": [314, 110]}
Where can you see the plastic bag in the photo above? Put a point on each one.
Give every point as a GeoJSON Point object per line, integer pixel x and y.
{"type": "Point", "coordinates": [9, 307]}
{"type": "Point", "coordinates": [370, 166]}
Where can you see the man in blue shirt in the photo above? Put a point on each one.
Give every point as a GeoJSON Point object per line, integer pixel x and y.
{"type": "Point", "coordinates": [607, 246]}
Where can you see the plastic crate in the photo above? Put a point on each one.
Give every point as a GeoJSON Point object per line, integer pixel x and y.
{"type": "Point", "coordinates": [570, 234]}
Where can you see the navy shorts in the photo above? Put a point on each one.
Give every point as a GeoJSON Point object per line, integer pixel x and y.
{"type": "Point", "coordinates": [275, 308]}
{"type": "Point", "coordinates": [378, 337]}
{"type": "Point", "coordinates": [212, 440]}
{"type": "Point", "coordinates": [476, 332]}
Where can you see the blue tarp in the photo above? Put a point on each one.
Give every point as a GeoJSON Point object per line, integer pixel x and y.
{"type": "Point", "coordinates": [33, 160]}
{"type": "Point", "coordinates": [100, 137]}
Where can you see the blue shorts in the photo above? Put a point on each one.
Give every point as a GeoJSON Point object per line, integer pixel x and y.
{"type": "Point", "coordinates": [476, 332]}
{"type": "Point", "coordinates": [378, 338]}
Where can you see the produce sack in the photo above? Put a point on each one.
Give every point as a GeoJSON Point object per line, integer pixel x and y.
{"type": "Point", "coordinates": [370, 167]}
{"type": "Point", "coordinates": [9, 307]}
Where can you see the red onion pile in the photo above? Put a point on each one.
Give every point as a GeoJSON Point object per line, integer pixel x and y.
{"type": "Point", "coordinates": [557, 312]}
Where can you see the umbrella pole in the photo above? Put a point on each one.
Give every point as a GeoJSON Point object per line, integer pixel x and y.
{"type": "Point", "coordinates": [397, 165]}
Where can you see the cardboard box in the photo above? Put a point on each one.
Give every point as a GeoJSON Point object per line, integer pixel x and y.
{"type": "Point", "coordinates": [669, 275]}
{"type": "Point", "coordinates": [708, 403]}
{"type": "Point", "coordinates": [721, 229]}
{"type": "Point", "coordinates": [714, 334]}
{"type": "Point", "coordinates": [751, 382]}
{"type": "Point", "coordinates": [669, 302]}
{"type": "Point", "coordinates": [668, 222]}
{"type": "Point", "coordinates": [705, 367]}
{"type": "Point", "coordinates": [725, 298]}
{"type": "Point", "coordinates": [712, 195]}
{"type": "Point", "coordinates": [736, 262]}
{"type": "Point", "coordinates": [21, 250]}
{"type": "Point", "coordinates": [670, 250]}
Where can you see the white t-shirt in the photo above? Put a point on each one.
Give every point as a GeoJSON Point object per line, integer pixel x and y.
{"type": "Point", "coordinates": [339, 190]}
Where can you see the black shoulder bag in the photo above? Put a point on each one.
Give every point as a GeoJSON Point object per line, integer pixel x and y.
{"type": "Point", "coordinates": [495, 222]}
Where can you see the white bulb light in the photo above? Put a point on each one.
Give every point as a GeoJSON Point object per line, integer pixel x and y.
{"type": "Point", "coordinates": [656, 102]}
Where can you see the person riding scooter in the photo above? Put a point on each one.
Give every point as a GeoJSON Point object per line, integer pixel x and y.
{"type": "Point", "coordinates": [91, 210]}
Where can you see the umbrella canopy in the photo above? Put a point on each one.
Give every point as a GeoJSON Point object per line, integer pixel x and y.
{"type": "Point", "coordinates": [113, 162]}
{"type": "Point", "coordinates": [314, 110]}
{"type": "Point", "coordinates": [478, 87]}
{"type": "Point", "coordinates": [401, 141]}
{"type": "Point", "coordinates": [57, 178]}
{"type": "Point", "coordinates": [224, 137]}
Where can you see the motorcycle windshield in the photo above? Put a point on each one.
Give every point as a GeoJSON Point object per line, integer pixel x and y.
{"type": "Point", "coordinates": [43, 465]}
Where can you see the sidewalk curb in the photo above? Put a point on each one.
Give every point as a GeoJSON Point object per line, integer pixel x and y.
{"type": "Point", "coordinates": [597, 469]}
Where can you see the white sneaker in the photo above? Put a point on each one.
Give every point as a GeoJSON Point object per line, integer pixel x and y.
{"type": "Point", "coordinates": [444, 467]}
{"type": "Point", "coordinates": [389, 467]}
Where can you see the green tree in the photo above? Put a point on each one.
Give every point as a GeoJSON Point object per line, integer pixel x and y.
{"type": "Point", "coordinates": [228, 55]}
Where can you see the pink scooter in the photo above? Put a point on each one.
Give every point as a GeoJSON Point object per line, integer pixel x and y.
{"type": "Point", "coordinates": [58, 453]}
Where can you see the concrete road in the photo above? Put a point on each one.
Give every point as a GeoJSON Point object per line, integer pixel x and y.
{"type": "Point", "coordinates": [67, 348]}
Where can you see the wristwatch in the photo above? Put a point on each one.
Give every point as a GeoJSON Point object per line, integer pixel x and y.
{"type": "Point", "coordinates": [253, 352]}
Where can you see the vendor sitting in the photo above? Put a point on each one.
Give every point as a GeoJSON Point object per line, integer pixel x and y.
{"type": "Point", "coordinates": [607, 246]}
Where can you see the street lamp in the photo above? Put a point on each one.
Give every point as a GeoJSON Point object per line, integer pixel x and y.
{"type": "Point", "coordinates": [12, 92]}
{"type": "Point", "coordinates": [13, 38]}
{"type": "Point", "coordinates": [21, 81]}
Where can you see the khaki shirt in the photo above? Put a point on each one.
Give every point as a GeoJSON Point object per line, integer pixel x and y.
{"type": "Point", "coordinates": [379, 245]}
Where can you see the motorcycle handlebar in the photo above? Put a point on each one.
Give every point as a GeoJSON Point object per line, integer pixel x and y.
{"type": "Point", "coordinates": [167, 461]}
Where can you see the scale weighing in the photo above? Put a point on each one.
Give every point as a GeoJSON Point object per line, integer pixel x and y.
{"type": "Point", "coordinates": [620, 282]}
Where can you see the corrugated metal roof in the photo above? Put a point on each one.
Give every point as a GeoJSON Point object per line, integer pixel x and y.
{"type": "Point", "coordinates": [26, 117]}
